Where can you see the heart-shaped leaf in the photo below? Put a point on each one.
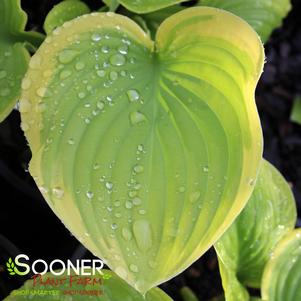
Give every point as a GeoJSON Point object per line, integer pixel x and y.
{"type": "Point", "coordinates": [263, 15]}
{"type": "Point", "coordinates": [246, 246]}
{"type": "Point", "coordinates": [146, 150]}
{"type": "Point", "coordinates": [106, 287]}
{"type": "Point", "coordinates": [282, 274]}
{"type": "Point", "coordinates": [146, 6]}
{"type": "Point", "coordinates": [64, 11]}
{"type": "Point", "coordinates": [13, 55]}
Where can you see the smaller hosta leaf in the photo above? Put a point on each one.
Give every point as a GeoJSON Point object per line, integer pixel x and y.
{"type": "Point", "coordinates": [146, 6]}
{"type": "Point", "coordinates": [296, 111]}
{"type": "Point", "coordinates": [247, 245]}
{"type": "Point", "coordinates": [154, 19]}
{"type": "Point", "coordinates": [263, 15]}
{"type": "Point", "coordinates": [282, 274]}
{"type": "Point", "coordinates": [112, 4]}
{"type": "Point", "coordinates": [109, 288]}
{"type": "Point", "coordinates": [64, 11]}
{"type": "Point", "coordinates": [13, 54]}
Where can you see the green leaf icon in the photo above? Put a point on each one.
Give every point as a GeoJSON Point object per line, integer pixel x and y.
{"type": "Point", "coordinates": [147, 150]}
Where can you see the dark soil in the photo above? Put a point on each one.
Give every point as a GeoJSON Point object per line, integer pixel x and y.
{"type": "Point", "coordinates": [27, 225]}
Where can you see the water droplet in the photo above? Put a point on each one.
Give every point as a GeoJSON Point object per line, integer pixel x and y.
{"type": "Point", "coordinates": [3, 74]}
{"type": "Point", "coordinates": [121, 272]}
{"type": "Point", "coordinates": [89, 195]}
{"type": "Point", "coordinates": [114, 226]}
{"type": "Point", "coordinates": [128, 204]}
{"type": "Point", "coordinates": [123, 49]}
{"type": "Point", "coordinates": [105, 49]}
{"type": "Point", "coordinates": [205, 169]}
{"type": "Point", "coordinates": [136, 201]}
{"type": "Point", "coordinates": [132, 193]}
{"type": "Point", "coordinates": [79, 65]}
{"type": "Point", "coordinates": [126, 234]}
{"type": "Point", "coordinates": [109, 185]}
{"type": "Point", "coordinates": [81, 95]}
{"type": "Point", "coordinates": [251, 182]}
{"type": "Point", "coordinates": [134, 268]}
{"type": "Point", "coordinates": [65, 73]}
{"type": "Point", "coordinates": [194, 196]}
{"type": "Point", "coordinates": [101, 73]}
{"type": "Point", "coordinates": [137, 117]}
{"type": "Point", "coordinates": [142, 211]}
{"type": "Point", "coordinates": [100, 105]}
{"type": "Point", "coordinates": [96, 37]}
{"type": "Point", "coordinates": [133, 95]}
{"type": "Point", "coordinates": [71, 141]}
{"type": "Point", "coordinates": [138, 168]}
{"type": "Point", "coordinates": [43, 92]}
{"type": "Point", "coordinates": [58, 192]}
{"type": "Point", "coordinates": [96, 166]}
{"type": "Point", "coordinates": [113, 75]}
{"type": "Point", "coordinates": [67, 55]}
{"type": "Point", "coordinates": [117, 59]}
{"type": "Point", "coordinates": [143, 234]}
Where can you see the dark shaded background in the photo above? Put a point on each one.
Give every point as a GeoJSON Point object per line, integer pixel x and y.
{"type": "Point", "coordinates": [28, 226]}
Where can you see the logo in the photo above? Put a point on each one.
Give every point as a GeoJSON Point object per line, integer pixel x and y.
{"type": "Point", "coordinates": [85, 267]}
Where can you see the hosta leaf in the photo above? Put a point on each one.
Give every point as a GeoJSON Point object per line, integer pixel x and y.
{"type": "Point", "coordinates": [13, 55]}
{"type": "Point", "coordinates": [263, 15]}
{"type": "Point", "coordinates": [146, 6]}
{"type": "Point", "coordinates": [247, 245]}
{"type": "Point", "coordinates": [106, 288]}
{"type": "Point", "coordinates": [62, 12]}
{"type": "Point", "coordinates": [282, 274]}
{"type": "Point", "coordinates": [112, 4]}
{"type": "Point", "coordinates": [133, 145]}
{"type": "Point", "coordinates": [154, 19]}
{"type": "Point", "coordinates": [296, 110]}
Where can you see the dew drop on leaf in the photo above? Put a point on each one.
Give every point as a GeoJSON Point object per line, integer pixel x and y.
{"type": "Point", "coordinates": [101, 73]}
{"type": "Point", "coordinates": [89, 195]}
{"type": "Point", "coordinates": [114, 226]}
{"type": "Point", "coordinates": [117, 59]}
{"type": "Point", "coordinates": [113, 75]}
{"type": "Point", "coordinates": [136, 201]}
{"type": "Point", "coordinates": [79, 66]}
{"type": "Point", "coordinates": [137, 117]}
{"type": "Point", "coordinates": [67, 55]}
{"type": "Point", "coordinates": [138, 168]}
{"type": "Point", "coordinates": [126, 234]}
{"type": "Point", "coordinates": [123, 49]}
{"type": "Point", "coordinates": [96, 37]}
{"type": "Point", "coordinates": [100, 105]}
{"type": "Point", "coordinates": [65, 73]}
{"type": "Point", "coordinates": [134, 268]}
{"type": "Point", "coordinates": [109, 185]}
{"type": "Point", "coordinates": [58, 192]}
{"type": "Point", "coordinates": [105, 49]}
{"type": "Point", "coordinates": [133, 95]}
{"type": "Point", "coordinates": [143, 234]}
